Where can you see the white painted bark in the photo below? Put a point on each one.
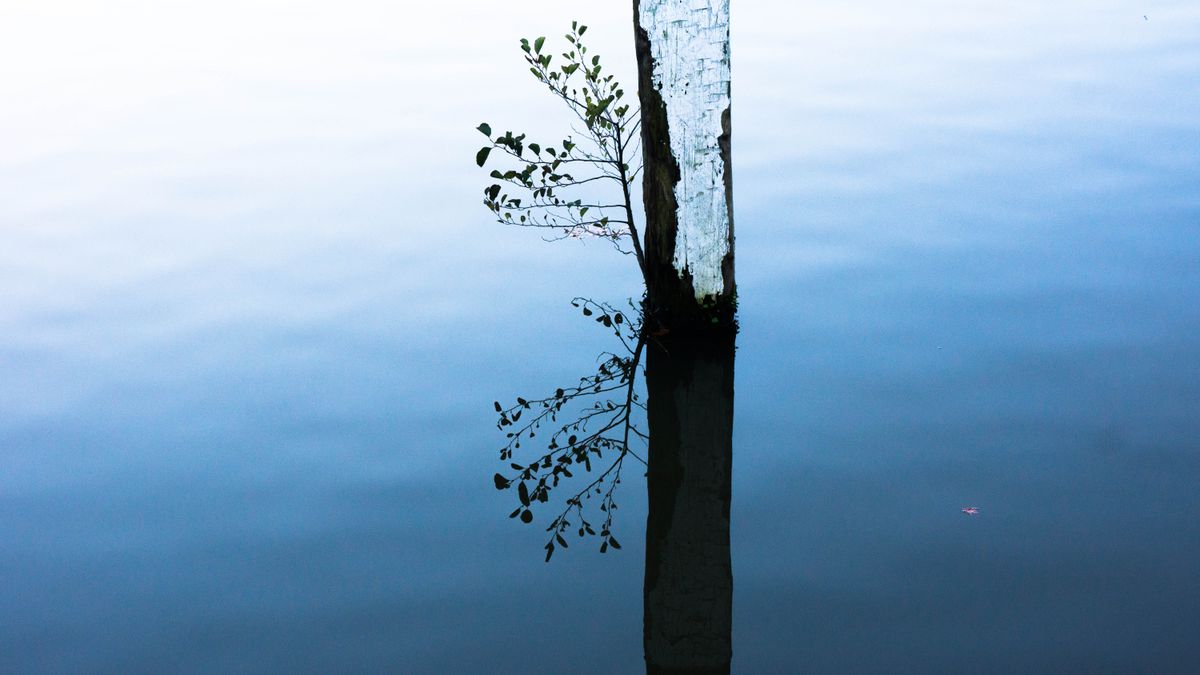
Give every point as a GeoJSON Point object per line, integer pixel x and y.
{"type": "Point", "coordinates": [689, 43]}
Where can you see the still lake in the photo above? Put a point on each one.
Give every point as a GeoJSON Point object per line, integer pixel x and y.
{"type": "Point", "coordinates": [253, 319]}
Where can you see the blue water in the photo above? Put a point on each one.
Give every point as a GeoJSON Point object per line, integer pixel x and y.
{"type": "Point", "coordinates": [252, 319]}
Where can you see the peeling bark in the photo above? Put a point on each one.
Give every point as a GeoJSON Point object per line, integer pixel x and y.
{"type": "Point", "coordinates": [688, 48]}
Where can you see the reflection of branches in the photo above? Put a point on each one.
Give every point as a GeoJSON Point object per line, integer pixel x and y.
{"type": "Point", "coordinates": [608, 424]}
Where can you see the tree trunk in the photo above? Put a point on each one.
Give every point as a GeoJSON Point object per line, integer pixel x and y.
{"type": "Point", "coordinates": [683, 64]}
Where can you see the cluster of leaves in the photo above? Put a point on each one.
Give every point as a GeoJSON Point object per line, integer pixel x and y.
{"type": "Point", "coordinates": [594, 421]}
{"type": "Point", "coordinates": [559, 185]}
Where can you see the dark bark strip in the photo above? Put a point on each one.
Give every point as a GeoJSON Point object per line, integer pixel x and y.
{"type": "Point", "coordinates": [660, 173]}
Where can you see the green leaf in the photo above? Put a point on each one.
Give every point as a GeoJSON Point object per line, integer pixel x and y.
{"type": "Point", "coordinates": [527, 516]}
{"type": "Point", "coordinates": [485, 129]}
{"type": "Point", "coordinates": [537, 44]}
{"type": "Point", "coordinates": [501, 481]}
{"type": "Point", "coordinates": [482, 155]}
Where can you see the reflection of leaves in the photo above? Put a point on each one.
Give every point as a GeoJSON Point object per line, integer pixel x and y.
{"type": "Point", "coordinates": [599, 415]}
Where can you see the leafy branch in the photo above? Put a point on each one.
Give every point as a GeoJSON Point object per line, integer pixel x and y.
{"type": "Point", "coordinates": [558, 186]}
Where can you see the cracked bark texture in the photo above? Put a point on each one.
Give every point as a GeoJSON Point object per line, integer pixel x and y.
{"type": "Point", "coordinates": [683, 73]}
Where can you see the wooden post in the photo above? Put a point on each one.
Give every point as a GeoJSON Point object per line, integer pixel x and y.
{"type": "Point", "coordinates": [684, 87]}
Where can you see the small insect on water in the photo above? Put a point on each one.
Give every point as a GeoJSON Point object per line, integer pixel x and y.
{"type": "Point", "coordinates": [971, 510]}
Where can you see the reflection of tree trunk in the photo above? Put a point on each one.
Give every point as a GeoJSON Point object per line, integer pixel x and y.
{"type": "Point", "coordinates": [689, 581]}
{"type": "Point", "coordinates": [683, 67]}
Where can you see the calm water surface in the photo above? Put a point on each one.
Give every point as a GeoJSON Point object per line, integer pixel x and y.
{"type": "Point", "coordinates": [252, 319]}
